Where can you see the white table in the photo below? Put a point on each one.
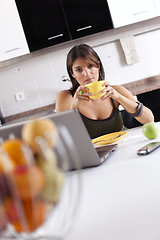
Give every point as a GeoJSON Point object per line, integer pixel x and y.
{"type": "Point", "coordinates": [120, 200]}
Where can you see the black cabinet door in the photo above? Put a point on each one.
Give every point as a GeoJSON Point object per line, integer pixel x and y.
{"type": "Point", "coordinates": [86, 17]}
{"type": "Point", "coordinates": [43, 22]}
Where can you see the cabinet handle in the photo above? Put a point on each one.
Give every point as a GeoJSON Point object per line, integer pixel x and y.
{"type": "Point", "coordinates": [139, 13]}
{"type": "Point", "coordinates": [56, 36]}
{"type": "Point", "coordinates": [14, 49]}
{"type": "Point", "coordinates": [81, 29]}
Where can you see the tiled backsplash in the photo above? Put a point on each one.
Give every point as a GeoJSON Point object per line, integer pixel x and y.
{"type": "Point", "coordinates": [39, 74]}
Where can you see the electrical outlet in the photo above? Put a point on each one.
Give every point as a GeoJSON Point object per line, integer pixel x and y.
{"type": "Point", "coordinates": [19, 96]}
{"type": "Point", "coordinates": [16, 69]}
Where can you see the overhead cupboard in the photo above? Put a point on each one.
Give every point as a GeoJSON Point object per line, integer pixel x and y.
{"type": "Point", "coordinates": [85, 17]}
{"type": "Point", "coordinates": [157, 5]}
{"type": "Point", "coordinates": [12, 38]}
{"type": "Point", "coordinates": [43, 22]}
{"type": "Point", "coordinates": [49, 22]}
{"type": "Point", "coordinates": [30, 25]}
{"type": "Point", "coordinates": [125, 12]}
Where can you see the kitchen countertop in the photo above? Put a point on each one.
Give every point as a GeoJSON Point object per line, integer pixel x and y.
{"type": "Point", "coordinates": [28, 115]}
{"type": "Point", "coordinates": [135, 87]}
{"type": "Point", "coordinates": [143, 85]}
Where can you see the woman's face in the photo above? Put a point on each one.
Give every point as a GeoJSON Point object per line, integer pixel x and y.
{"type": "Point", "coordinates": [84, 71]}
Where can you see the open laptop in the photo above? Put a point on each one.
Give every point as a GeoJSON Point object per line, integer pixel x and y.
{"type": "Point", "coordinates": [80, 139]}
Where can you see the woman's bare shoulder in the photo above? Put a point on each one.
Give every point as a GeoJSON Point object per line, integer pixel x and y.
{"type": "Point", "coordinates": [63, 100]}
{"type": "Point", "coordinates": [64, 93]}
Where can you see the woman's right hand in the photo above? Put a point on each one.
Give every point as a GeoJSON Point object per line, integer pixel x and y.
{"type": "Point", "coordinates": [65, 101]}
{"type": "Point", "coordinates": [81, 94]}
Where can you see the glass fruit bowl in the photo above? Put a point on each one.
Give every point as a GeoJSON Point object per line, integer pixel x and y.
{"type": "Point", "coordinates": [38, 194]}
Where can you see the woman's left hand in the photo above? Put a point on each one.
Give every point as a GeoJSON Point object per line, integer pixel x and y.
{"type": "Point", "coordinates": [109, 91]}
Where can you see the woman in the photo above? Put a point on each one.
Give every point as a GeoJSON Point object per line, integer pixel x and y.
{"type": "Point", "coordinates": [101, 116]}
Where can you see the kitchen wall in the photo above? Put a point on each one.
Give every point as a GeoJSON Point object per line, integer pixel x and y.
{"type": "Point", "coordinates": [38, 75]}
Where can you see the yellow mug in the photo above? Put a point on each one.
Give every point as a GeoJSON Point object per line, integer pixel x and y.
{"type": "Point", "coordinates": [96, 87]}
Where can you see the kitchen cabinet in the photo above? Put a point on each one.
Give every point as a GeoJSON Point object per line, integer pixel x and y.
{"type": "Point", "coordinates": [124, 12]}
{"type": "Point", "coordinates": [12, 40]}
{"type": "Point", "coordinates": [50, 22]}
{"type": "Point", "coordinates": [85, 17]}
{"type": "Point", "coordinates": [43, 22]}
{"type": "Point", "coordinates": [157, 5]}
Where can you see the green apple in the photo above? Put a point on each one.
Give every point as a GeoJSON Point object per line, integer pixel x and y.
{"type": "Point", "coordinates": [150, 130]}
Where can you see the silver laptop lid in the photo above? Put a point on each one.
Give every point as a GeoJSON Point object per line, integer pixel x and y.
{"type": "Point", "coordinates": [72, 120]}
{"type": "Point", "coordinates": [89, 156]}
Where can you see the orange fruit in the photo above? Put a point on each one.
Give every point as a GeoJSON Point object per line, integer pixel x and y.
{"type": "Point", "coordinates": [41, 127]}
{"type": "Point", "coordinates": [27, 181]}
{"type": "Point", "coordinates": [9, 209]}
{"type": "Point", "coordinates": [15, 149]}
{"type": "Point", "coordinates": [34, 213]}
{"type": "Point", "coordinates": [6, 164]}
{"type": "Point", "coordinates": [26, 216]}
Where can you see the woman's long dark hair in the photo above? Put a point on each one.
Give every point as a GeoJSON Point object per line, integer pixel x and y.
{"type": "Point", "coordinates": [86, 52]}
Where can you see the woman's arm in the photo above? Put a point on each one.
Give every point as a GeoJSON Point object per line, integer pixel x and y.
{"type": "Point", "coordinates": [65, 101]}
{"type": "Point", "coordinates": [123, 97]}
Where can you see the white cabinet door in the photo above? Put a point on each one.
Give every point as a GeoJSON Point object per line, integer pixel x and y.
{"type": "Point", "coordinates": [157, 4]}
{"type": "Point", "coordinates": [12, 39]}
{"type": "Point", "coordinates": [126, 12]}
